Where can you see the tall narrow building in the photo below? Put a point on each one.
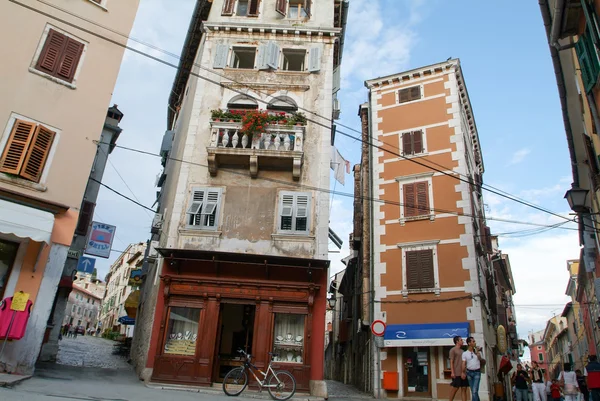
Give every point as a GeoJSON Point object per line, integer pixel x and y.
{"type": "Point", "coordinates": [430, 248]}
{"type": "Point", "coordinates": [242, 233]}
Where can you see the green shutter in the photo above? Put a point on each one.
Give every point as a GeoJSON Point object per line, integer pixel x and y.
{"type": "Point", "coordinates": [588, 60]}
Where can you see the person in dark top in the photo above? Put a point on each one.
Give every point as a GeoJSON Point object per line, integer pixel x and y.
{"type": "Point", "coordinates": [593, 377]}
{"type": "Point", "coordinates": [520, 379]}
{"type": "Point", "coordinates": [582, 384]}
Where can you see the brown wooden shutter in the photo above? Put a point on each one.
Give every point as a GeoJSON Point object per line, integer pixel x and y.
{"type": "Point", "coordinates": [68, 63]}
{"type": "Point", "coordinates": [417, 137]}
{"type": "Point", "coordinates": [51, 52]}
{"type": "Point", "coordinates": [415, 92]}
{"type": "Point", "coordinates": [16, 147]}
{"type": "Point", "coordinates": [228, 7]}
{"type": "Point", "coordinates": [403, 95]}
{"type": "Point", "coordinates": [426, 276]}
{"type": "Point", "coordinates": [281, 6]}
{"type": "Point", "coordinates": [37, 154]}
{"type": "Point", "coordinates": [307, 7]}
{"type": "Point", "coordinates": [412, 270]}
{"type": "Point", "coordinates": [407, 148]}
{"type": "Point", "coordinates": [85, 216]}
{"type": "Point", "coordinates": [409, 200]}
{"type": "Point", "coordinates": [253, 7]}
{"type": "Point", "coordinates": [422, 198]}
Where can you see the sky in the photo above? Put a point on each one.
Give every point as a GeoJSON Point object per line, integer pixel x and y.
{"type": "Point", "coordinates": [508, 73]}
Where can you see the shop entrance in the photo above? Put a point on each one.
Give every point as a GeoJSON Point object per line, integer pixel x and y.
{"type": "Point", "coordinates": [235, 331]}
{"type": "Point", "coordinates": [416, 372]}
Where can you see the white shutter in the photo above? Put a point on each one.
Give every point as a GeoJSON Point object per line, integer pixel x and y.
{"type": "Point", "coordinates": [287, 205]}
{"type": "Point", "coordinates": [261, 62]}
{"type": "Point", "coordinates": [273, 55]}
{"type": "Point", "coordinates": [302, 206]}
{"type": "Point", "coordinates": [337, 79]}
{"type": "Point", "coordinates": [314, 63]}
{"type": "Point", "coordinates": [196, 203]}
{"type": "Point", "coordinates": [221, 53]}
{"type": "Point", "coordinates": [212, 201]}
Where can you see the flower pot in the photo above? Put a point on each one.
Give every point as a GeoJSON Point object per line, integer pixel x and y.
{"type": "Point", "coordinates": [298, 124]}
{"type": "Point", "coordinates": [216, 119]}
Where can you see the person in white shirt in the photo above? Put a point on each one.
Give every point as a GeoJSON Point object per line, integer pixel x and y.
{"type": "Point", "coordinates": [538, 386]}
{"type": "Point", "coordinates": [568, 381]}
{"type": "Point", "coordinates": [472, 365]}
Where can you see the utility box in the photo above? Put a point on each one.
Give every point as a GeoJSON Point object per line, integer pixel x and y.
{"type": "Point", "coordinates": [390, 381]}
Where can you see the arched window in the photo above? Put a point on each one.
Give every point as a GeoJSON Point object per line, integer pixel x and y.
{"type": "Point", "coordinates": [242, 102]}
{"type": "Point", "coordinates": [282, 103]}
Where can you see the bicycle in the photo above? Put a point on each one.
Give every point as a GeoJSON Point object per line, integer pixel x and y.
{"type": "Point", "coordinates": [281, 384]}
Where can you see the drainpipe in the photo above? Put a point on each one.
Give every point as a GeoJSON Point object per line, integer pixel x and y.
{"type": "Point", "coordinates": [557, 20]}
{"type": "Point", "coordinates": [562, 92]}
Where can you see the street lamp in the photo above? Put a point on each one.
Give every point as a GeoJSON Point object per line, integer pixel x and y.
{"type": "Point", "coordinates": [577, 198]}
{"type": "Point", "coordinates": [332, 300]}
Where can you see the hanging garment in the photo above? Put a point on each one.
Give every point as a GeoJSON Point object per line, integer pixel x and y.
{"type": "Point", "coordinates": [19, 323]}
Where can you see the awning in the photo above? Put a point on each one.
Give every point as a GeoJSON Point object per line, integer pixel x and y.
{"type": "Point", "coordinates": [126, 321]}
{"type": "Point", "coordinates": [25, 221]}
{"type": "Point", "coordinates": [131, 303]}
{"type": "Point", "coordinates": [432, 334]}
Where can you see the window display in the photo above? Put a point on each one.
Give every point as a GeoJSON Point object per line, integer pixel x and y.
{"type": "Point", "coordinates": [8, 252]}
{"type": "Point", "coordinates": [182, 331]}
{"type": "Point", "coordinates": [289, 338]}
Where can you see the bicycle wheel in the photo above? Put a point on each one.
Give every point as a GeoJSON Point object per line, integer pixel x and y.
{"type": "Point", "coordinates": [235, 382]}
{"type": "Point", "coordinates": [284, 385]}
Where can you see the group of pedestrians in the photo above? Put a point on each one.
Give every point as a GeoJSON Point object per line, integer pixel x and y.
{"type": "Point", "coordinates": [465, 369]}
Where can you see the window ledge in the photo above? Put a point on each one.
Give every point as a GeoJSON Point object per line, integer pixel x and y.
{"type": "Point", "coordinates": [199, 232]}
{"type": "Point", "coordinates": [98, 5]}
{"type": "Point", "coordinates": [53, 79]}
{"type": "Point", "coordinates": [435, 290]}
{"type": "Point", "coordinates": [413, 156]}
{"type": "Point", "coordinates": [403, 220]}
{"type": "Point", "coordinates": [292, 73]}
{"type": "Point", "coordinates": [300, 237]}
{"type": "Point", "coordinates": [21, 182]}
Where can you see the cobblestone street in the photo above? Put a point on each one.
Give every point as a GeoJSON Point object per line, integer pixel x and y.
{"type": "Point", "coordinates": [89, 351]}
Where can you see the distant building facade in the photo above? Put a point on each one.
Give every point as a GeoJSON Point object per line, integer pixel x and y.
{"type": "Point", "coordinates": [85, 300]}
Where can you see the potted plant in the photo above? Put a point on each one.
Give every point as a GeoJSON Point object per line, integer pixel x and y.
{"type": "Point", "coordinates": [299, 118]}
{"type": "Point", "coordinates": [216, 114]}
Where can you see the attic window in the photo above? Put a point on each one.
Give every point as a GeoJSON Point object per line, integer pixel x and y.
{"type": "Point", "coordinates": [283, 103]}
{"type": "Point", "coordinates": [409, 94]}
{"type": "Point", "coordinates": [242, 102]}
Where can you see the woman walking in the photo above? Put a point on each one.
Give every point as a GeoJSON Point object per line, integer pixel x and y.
{"type": "Point", "coordinates": [568, 381]}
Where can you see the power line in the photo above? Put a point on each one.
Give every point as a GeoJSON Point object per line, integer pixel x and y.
{"type": "Point", "coordinates": [122, 195]}
{"type": "Point", "coordinates": [344, 194]}
{"type": "Point", "coordinates": [456, 175]}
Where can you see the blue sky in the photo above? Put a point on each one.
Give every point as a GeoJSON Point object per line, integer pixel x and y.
{"type": "Point", "coordinates": [509, 76]}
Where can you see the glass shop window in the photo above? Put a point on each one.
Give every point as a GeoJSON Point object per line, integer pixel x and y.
{"type": "Point", "coordinates": [182, 331]}
{"type": "Point", "coordinates": [289, 338]}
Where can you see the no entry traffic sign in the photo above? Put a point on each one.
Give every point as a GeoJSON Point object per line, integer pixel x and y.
{"type": "Point", "coordinates": [378, 328]}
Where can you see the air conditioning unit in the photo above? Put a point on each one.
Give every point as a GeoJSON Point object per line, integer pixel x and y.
{"type": "Point", "coordinates": [156, 223]}
{"type": "Point", "coordinates": [153, 252]}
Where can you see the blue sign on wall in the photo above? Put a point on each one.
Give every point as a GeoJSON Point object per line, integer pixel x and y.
{"type": "Point", "coordinates": [432, 334]}
{"type": "Point", "coordinates": [86, 264]}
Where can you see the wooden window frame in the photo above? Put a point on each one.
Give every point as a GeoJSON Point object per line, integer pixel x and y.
{"type": "Point", "coordinates": [217, 211]}
{"type": "Point", "coordinates": [66, 47]}
{"type": "Point", "coordinates": [407, 140]}
{"type": "Point", "coordinates": [294, 212]}
{"type": "Point", "coordinates": [305, 5]}
{"type": "Point", "coordinates": [230, 8]}
{"type": "Point", "coordinates": [415, 247]}
{"type": "Point", "coordinates": [27, 149]}
{"type": "Point", "coordinates": [406, 215]}
{"type": "Point", "coordinates": [410, 97]}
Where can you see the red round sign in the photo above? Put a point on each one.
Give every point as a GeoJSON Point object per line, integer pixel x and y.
{"type": "Point", "coordinates": [378, 328]}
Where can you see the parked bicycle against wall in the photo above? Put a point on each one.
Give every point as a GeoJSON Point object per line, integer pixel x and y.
{"type": "Point", "coordinates": [281, 384]}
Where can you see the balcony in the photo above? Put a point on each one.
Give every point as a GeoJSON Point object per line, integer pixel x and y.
{"type": "Point", "coordinates": [279, 147]}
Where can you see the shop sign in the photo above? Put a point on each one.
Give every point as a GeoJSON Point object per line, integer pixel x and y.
{"type": "Point", "coordinates": [501, 334]}
{"type": "Point", "coordinates": [135, 278]}
{"type": "Point", "coordinates": [100, 240]}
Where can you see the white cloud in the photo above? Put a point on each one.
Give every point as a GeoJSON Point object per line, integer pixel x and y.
{"type": "Point", "coordinates": [519, 156]}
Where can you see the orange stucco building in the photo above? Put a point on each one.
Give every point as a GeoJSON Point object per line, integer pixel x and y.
{"type": "Point", "coordinates": [430, 246]}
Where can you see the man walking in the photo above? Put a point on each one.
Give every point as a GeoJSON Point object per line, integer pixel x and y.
{"type": "Point", "coordinates": [472, 366]}
{"type": "Point", "coordinates": [459, 376]}
{"type": "Point", "coordinates": [538, 387]}
{"type": "Point", "coordinates": [593, 378]}
{"type": "Point", "coordinates": [520, 379]}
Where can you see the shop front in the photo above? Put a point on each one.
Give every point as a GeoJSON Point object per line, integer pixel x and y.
{"type": "Point", "coordinates": [216, 303]}
{"type": "Point", "coordinates": [417, 358]}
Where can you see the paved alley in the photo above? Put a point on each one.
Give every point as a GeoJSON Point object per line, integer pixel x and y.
{"type": "Point", "coordinates": [91, 352]}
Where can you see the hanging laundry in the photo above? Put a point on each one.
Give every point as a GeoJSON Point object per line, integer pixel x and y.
{"type": "Point", "coordinates": [16, 330]}
{"type": "Point", "coordinates": [339, 165]}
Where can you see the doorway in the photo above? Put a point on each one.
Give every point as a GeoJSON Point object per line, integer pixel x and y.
{"type": "Point", "coordinates": [235, 331]}
{"type": "Point", "coordinates": [416, 372]}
